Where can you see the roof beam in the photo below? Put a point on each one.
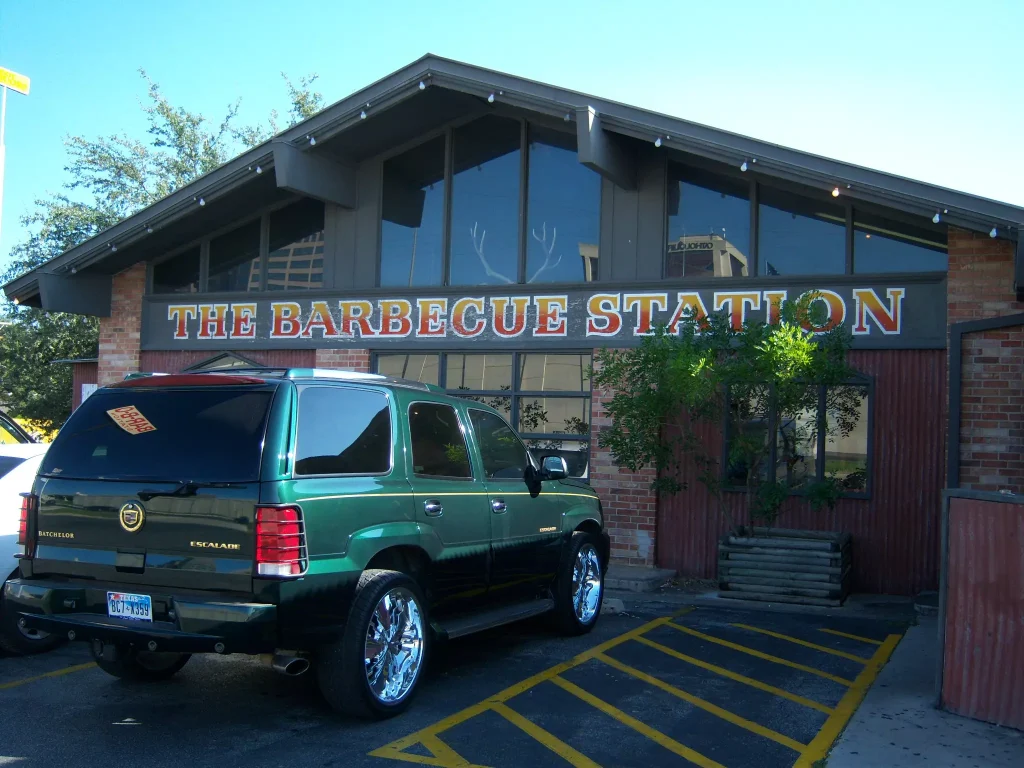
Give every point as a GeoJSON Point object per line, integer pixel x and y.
{"type": "Point", "coordinates": [77, 294]}
{"type": "Point", "coordinates": [316, 177]}
{"type": "Point", "coordinates": [603, 151]}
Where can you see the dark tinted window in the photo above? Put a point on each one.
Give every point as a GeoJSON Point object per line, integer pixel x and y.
{"type": "Point", "coordinates": [296, 258]}
{"type": "Point", "coordinates": [708, 225]}
{"type": "Point", "coordinates": [412, 217]}
{"type": "Point", "coordinates": [485, 203]}
{"type": "Point", "coordinates": [7, 463]}
{"type": "Point", "coordinates": [179, 274]}
{"type": "Point", "coordinates": [884, 245]}
{"type": "Point", "coordinates": [502, 452]}
{"type": "Point", "coordinates": [204, 435]}
{"type": "Point", "coordinates": [343, 431]}
{"type": "Point", "coordinates": [438, 445]}
{"type": "Point", "coordinates": [235, 259]}
{"type": "Point", "coordinates": [800, 235]}
{"type": "Point", "coordinates": [564, 211]}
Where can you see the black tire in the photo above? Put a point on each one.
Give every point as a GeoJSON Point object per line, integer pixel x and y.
{"type": "Point", "coordinates": [140, 666]}
{"type": "Point", "coordinates": [14, 639]}
{"type": "Point", "coordinates": [341, 666]}
{"type": "Point", "coordinates": [565, 615]}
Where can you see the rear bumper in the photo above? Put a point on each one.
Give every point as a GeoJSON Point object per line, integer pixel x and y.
{"type": "Point", "coordinates": [186, 624]}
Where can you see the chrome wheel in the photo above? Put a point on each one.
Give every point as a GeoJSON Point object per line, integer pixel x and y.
{"type": "Point", "coordinates": [586, 584]}
{"type": "Point", "coordinates": [394, 643]}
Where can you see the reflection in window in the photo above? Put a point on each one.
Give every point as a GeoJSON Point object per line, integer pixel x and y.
{"type": "Point", "coordinates": [846, 449]}
{"type": "Point", "coordinates": [796, 447]}
{"type": "Point", "coordinates": [884, 245]}
{"type": "Point", "coordinates": [479, 372]}
{"type": "Point", "coordinates": [296, 258]}
{"type": "Point", "coordinates": [343, 432]}
{"type": "Point", "coordinates": [485, 203]}
{"type": "Point", "coordinates": [564, 211]}
{"type": "Point", "coordinates": [565, 415]}
{"type": "Point", "coordinates": [708, 225]}
{"type": "Point", "coordinates": [422, 368]}
{"type": "Point", "coordinates": [502, 452]}
{"type": "Point", "coordinates": [235, 260]}
{"type": "Point", "coordinates": [178, 274]}
{"type": "Point", "coordinates": [799, 235]}
{"type": "Point", "coordinates": [438, 444]}
{"type": "Point", "coordinates": [412, 244]}
{"type": "Point", "coordinates": [554, 373]}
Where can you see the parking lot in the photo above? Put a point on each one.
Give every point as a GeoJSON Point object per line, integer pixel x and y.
{"type": "Point", "coordinates": [707, 687]}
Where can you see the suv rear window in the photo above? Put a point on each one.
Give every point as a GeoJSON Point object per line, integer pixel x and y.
{"type": "Point", "coordinates": [200, 435]}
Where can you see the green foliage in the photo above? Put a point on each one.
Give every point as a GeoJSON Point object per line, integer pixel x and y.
{"type": "Point", "coordinates": [109, 178]}
{"type": "Point", "coordinates": [674, 391]}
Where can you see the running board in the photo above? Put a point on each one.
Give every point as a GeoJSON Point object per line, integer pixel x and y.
{"type": "Point", "coordinates": [459, 626]}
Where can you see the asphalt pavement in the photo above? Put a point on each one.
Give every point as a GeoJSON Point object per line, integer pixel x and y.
{"type": "Point", "coordinates": [704, 686]}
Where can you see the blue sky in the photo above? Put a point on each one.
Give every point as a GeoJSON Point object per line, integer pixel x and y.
{"type": "Point", "coordinates": [929, 89]}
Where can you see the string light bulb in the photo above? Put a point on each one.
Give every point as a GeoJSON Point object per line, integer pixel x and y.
{"type": "Point", "coordinates": [312, 141]}
{"type": "Point", "coordinates": [202, 202]}
{"type": "Point", "coordinates": [994, 232]}
{"type": "Point", "coordinates": [936, 218]}
{"type": "Point", "coordinates": [835, 192]}
{"type": "Point", "coordinates": [259, 170]}
{"type": "Point", "coordinates": [657, 142]}
{"type": "Point", "coordinates": [743, 166]}
{"type": "Point", "coordinates": [490, 99]}
{"type": "Point", "coordinates": [362, 115]}
{"type": "Point", "coordinates": [423, 86]}
{"type": "Point", "coordinates": [149, 230]}
{"type": "Point", "coordinates": [113, 247]}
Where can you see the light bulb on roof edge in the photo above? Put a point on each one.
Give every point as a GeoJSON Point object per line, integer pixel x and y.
{"type": "Point", "coordinates": [490, 99]}
{"type": "Point", "coordinates": [202, 201]}
{"type": "Point", "coordinates": [149, 230]}
{"type": "Point", "coordinates": [993, 233]}
{"type": "Point", "coordinates": [362, 115]}
{"type": "Point", "coordinates": [936, 218]}
{"type": "Point", "coordinates": [657, 142]}
{"type": "Point", "coordinates": [258, 169]}
{"type": "Point", "coordinates": [312, 141]}
{"type": "Point", "coordinates": [835, 192]}
{"type": "Point", "coordinates": [743, 166]}
{"type": "Point", "coordinates": [113, 247]}
{"type": "Point", "coordinates": [423, 86]}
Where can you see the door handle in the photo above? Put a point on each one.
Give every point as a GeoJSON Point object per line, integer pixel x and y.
{"type": "Point", "coordinates": [498, 505]}
{"type": "Point", "coordinates": [433, 508]}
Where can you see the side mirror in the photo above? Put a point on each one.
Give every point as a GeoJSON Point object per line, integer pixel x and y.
{"type": "Point", "coordinates": [554, 468]}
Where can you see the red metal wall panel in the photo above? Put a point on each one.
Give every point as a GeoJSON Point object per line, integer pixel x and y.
{"type": "Point", "coordinates": [81, 373]}
{"type": "Point", "coordinates": [896, 531]}
{"type": "Point", "coordinates": [171, 361]}
{"type": "Point", "coordinates": [983, 659]}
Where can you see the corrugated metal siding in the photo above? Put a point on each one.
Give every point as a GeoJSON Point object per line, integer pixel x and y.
{"type": "Point", "coordinates": [983, 660]}
{"type": "Point", "coordinates": [81, 373]}
{"type": "Point", "coordinates": [896, 531]}
{"type": "Point", "coordinates": [172, 361]}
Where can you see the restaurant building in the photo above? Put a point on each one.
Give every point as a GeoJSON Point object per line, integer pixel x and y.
{"type": "Point", "coordinates": [485, 233]}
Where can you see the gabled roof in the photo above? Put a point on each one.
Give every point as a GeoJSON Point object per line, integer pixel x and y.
{"type": "Point", "coordinates": [350, 117]}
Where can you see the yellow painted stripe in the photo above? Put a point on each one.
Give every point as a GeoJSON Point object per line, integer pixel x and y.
{"type": "Point", "coordinates": [394, 749]}
{"type": "Point", "coordinates": [55, 673]}
{"type": "Point", "coordinates": [759, 654]}
{"type": "Point", "coordinates": [819, 747]}
{"type": "Point", "coordinates": [848, 636]}
{"type": "Point", "coordinates": [707, 706]}
{"type": "Point", "coordinates": [550, 741]}
{"type": "Point", "coordinates": [642, 728]}
{"type": "Point", "coordinates": [736, 676]}
{"type": "Point", "coordinates": [804, 643]}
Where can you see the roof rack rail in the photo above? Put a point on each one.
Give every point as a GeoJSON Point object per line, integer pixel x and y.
{"type": "Point", "coordinates": [255, 370]}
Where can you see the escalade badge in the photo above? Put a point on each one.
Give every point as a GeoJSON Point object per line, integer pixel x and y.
{"type": "Point", "coordinates": [132, 516]}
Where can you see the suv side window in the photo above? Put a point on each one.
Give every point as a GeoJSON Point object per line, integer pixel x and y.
{"type": "Point", "coordinates": [343, 431]}
{"type": "Point", "coordinates": [503, 453]}
{"type": "Point", "coordinates": [438, 444]}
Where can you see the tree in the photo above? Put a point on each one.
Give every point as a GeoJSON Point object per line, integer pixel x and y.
{"type": "Point", "coordinates": [110, 178]}
{"type": "Point", "coordinates": [762, 379]}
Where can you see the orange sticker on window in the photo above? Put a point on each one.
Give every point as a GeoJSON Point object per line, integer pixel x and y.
{"type": "Point", "coordinates": [128, 418]}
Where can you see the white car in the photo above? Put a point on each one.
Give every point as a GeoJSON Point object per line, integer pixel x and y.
{"type": "Point", "coordinates": [19, 463]}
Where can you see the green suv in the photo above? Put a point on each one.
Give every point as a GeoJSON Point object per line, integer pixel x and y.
{"type": "Point", "coordinates": [319, 518]}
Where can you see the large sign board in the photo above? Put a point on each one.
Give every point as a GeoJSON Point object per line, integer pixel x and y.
{"type": "Point", "coordinates": [14, 81]}
{"type": "Point", "coordinates": [898, 314]}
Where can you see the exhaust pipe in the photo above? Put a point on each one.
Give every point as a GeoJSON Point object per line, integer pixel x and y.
{"type": "Point", "coordinates": [286, 663]}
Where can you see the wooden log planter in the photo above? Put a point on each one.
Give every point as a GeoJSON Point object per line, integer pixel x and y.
{"type": "Point", "coordinates": [784, 566]}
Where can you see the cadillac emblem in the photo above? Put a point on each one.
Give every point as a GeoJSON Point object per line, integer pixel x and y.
{"type": "Point", "coordinates": [132, 516]}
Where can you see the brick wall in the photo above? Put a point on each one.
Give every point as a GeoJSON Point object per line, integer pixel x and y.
{"type": "Point", "coordinates": [992, 378]}
{"type": "Point", "coordinates": [344, 359]}
{"type": "Point", "coordinates": [120, 333]}
{"type": "Point", "coordinates": [630, 506]}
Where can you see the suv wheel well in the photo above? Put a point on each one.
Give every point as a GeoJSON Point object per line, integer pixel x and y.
{"type": "Point", "coordinates": [407, 559]}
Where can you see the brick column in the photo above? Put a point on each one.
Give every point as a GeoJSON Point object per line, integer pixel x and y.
{"type": "Point", "coordinates": [120, 333]}
{"type": "Point", "coordinates": [344, 359]}
{"type": "Point", "coordinates": [980, 285]}
{"type": "Point", "coordinates": [630, 506]}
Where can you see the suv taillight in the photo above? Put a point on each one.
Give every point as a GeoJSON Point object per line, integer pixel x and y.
{"type": "Point", "coordinates": [280, 542]}
{"type": "Point", "coordinates": [26, 533]}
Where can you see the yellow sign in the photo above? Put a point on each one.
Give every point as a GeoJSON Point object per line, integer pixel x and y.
{"type": "Point", "coordinates": [14, 81]}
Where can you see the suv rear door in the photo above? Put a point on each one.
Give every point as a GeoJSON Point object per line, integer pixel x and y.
{"type": "Point", "coordinates": [156, 481]}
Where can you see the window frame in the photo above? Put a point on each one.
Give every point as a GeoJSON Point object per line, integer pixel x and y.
{"type": "Point", "coordinates": [203, 243]}
{"type": "Point", "coordinates": [448, 132]}
{"type": "Point", "coordinates": [514, 394]}
{"type": "Point", "coordinates": [465, 439]}
{"type": "Point", "coordinates": [294, 442]}
{"type": "Point", "coordinates": [863, 381]}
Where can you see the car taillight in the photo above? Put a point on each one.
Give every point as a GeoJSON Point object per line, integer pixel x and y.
{"type": "Point", "coordinates": [26, 533]}
{"type": "Point", "coordinates": [280, 542]}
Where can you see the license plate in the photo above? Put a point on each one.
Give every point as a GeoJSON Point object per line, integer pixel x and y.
{"type": "Point", "coordinates": [123, 605]}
